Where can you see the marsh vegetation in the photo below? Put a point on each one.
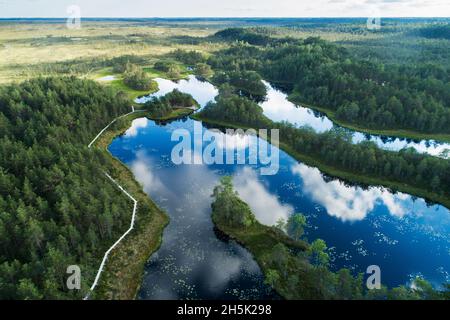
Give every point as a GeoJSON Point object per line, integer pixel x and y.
{"type": "Point", "coordinates": [57, 209]}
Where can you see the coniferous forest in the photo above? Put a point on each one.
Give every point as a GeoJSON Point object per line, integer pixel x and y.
{"type": "Point", "coordinates": [364, 92]}
{"type": "Point", "coordinates": [364, 179]}
{"type": "Point", "coordinates": [57, 207]}
{"type": "Point", "coordinates": [336, 149]}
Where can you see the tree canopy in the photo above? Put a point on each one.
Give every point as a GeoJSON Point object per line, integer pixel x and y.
{"type": "Point", "coordinates": [334, 148]}
{"type": "Point", "coordinates": [293, 269]}
{"type": "Point", "coordinates": [57, 208]}
{"type": "Point", "coordinates": [366, 92]}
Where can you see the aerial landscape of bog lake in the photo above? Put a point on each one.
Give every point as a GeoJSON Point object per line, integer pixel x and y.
{"type": "Point", "coordinates": [260, 158]}
{"type": "Point", "coordinates": [362, 225]}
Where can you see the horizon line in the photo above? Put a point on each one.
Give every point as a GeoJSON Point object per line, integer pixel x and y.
{"type": "Point", "coordinates": [243, 17]}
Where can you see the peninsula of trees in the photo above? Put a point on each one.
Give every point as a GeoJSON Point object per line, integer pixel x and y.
{"type": "Point", "coordinates": [292, 267]}
{"type": "Point", "coordinates": [335, 153]}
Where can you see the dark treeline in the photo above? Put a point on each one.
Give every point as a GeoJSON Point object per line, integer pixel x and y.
{"type": "Point", "coordinates": [195, 60]}
{"type": "Point", "coordinates": [120, 64]}
{"type": "Point", "coordinates": [294, 268]}
{"type": "Point", "coordinates": [57, 208]}
{"type": "Point", "coordinates": [162, 106]}
{"type": "Point", "coordinates": [245, 35]}
{"type": "Point", "coordinates": [171, 69]}
{"type": "Point", "coordinates": [190, 58]}
{"type": "Point", "coordinates": [247, 83]}
{"type": "Point", "coordinates": [335, 148]}
{"type": "Point", "coordinates": [259, 36]}
{"type": "Point", "coordinates": [367, 93]}
{"type": "Point", "coordinates": [441, 31]}
{"type": "Point", "coordinates": [137, 79]}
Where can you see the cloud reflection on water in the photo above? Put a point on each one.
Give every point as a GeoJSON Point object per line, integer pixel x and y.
{"type": "Point", "coordinates": [202, 92]}
{"type": "Point", "coordinates": [135, 126]}
{"type": "Point", "coordinates": [278, 108]}
{"type": "Point", "coordinates": [142, 170]}
{"type": "Point", "coordinates": [266, 206]}
{"type": "Point", "coordinates": [346, 202]}
{"type": "Point", "coordinates": [226, 267]}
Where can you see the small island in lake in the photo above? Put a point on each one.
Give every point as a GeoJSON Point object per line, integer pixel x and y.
{"type": "Point", "coordinates": [172, 105]}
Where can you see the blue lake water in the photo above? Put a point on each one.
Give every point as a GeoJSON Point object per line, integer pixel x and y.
{"type": "Point", "coordinates": [362, 226]}
{"type": "Point", "coordinates": [277, 107]}
{"type": "Point", "coordinates": [201, 91]}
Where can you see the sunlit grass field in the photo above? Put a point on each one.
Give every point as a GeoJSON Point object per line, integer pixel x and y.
{"type": "Point", "coordinates": [31, 48]}
{"type": "Point", "coordinates": [25, 47]}
{"type": "Point", "coordinates": [28, 47]}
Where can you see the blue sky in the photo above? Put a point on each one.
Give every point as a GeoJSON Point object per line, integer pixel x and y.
{"type": "Point", "coordinates": [227, 8]}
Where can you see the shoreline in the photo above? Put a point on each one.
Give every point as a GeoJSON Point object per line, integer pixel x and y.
{"type": "Point", "coordinates": [394, 133]}
{"type": "Point", "coordinates": [341, 174]}
{"type": "Point", "coordinates": [244, 237]}
{"type": "Point", "coordinates": [124, 270]}
{"type": "Point", "coordinates": [292, 267]}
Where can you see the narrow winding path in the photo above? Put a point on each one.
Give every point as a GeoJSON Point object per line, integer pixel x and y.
{"type": "Point", "coordinates": [105, 128]}
{"type": "Point", "coordinates": [133, 216]}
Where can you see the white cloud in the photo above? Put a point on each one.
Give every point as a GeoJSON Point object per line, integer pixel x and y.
{"type": "Point", "coordinates": [278, 108]}
{"type": "Point", "coordinates": [235, 141]}
{"type": "Point", "coordinates": [266, 206]}
{"type": "Point", "coordinates": [135, 125]}
{"type": "Point", "coordinates": [141, 168]}
{"type": "Point", "coordinates": [224, 269]}
{"type": "Point", "coordinates": [202, 92]}
{"type": "Point", "coordinates": [345, 202]}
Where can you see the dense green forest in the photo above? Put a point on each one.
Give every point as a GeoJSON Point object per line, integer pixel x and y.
{"type": "Point", "coordinates": [194, 60]}
{"type": "Point", "coordinates": [245, 35]}
{"type": "Point", "coordinates": [247, 83]}
{"type": "Point", "coordinates": [159, 107]}
{"type": "Point", "coordinates": [137, 79]}
{"type": "Point", "coordinates": [203, 71]}
{"type": "Point", "coordinates": [190, 58]}
{"type": "Point", "coordinates": [57, 208]}
{"type": "Point", "coordinates": [172, 69]}
{"type": "Point", "coordinates": [441, 31]}
{"type": "Point", "coordinates": [371, 94]}
{"type": "Point", "coordinates": [294, 268]}
{"type": "Point", "coordinates": [335, 148]}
